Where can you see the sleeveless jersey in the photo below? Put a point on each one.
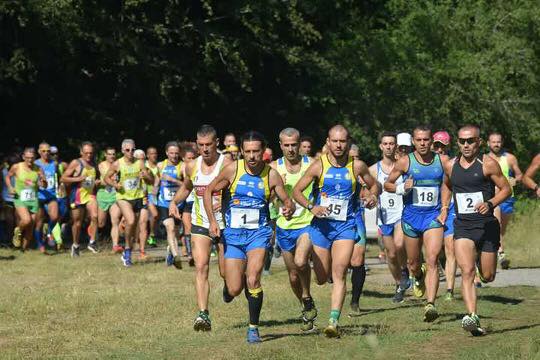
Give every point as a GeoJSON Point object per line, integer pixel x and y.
{"type": "Point", "coordinates": [470, 187]}
{"type": "Point", "coordinates": [155, 171]}
{"type": "Point", "coordinates": [390, 204]}
{"type": "Point", "coordinates": [337, 190]}
{"type": "Point", "coordinates": [424, 196]}
{"type": "Point", "coordinates": [248, 199]}
{"type": "Point", "coordinates": [82, 192]}
{"type": "Point", "coordinates": [167, 189]}
{"type": "Point", "coordinates": [129, 179]}
{"type": "Point", "coordinates": [50, 170]}
{"type": "Point", "coordinates": [103, 185]}
{"type": "Point", "coordinates": [200, 183]}
{"type": "Point", "coordinates": [505, 167]}
{"type": "Point", "coordinates": [26, 183]}
{"type": "Point", "coordinates": [61, 191]}
{"type": "Point", "coordinates": [6, 196]}
{"type": "Point", "coordinates": [301, 217]}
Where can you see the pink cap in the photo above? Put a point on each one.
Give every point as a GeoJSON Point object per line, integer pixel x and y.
{"type": "Point", "coordinates": [442, 137]}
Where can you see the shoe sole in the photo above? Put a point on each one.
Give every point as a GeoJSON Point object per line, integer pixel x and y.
{"type": "Point", "coordinates": [470, 326]}
{"type": "Point", "coordinates": [124, 262]}
{"type": "Point", "coordinates": [430, 316]}
{"type": "Point", "coordinates": [177, 264]}
{"type": "Point", "coordinates": [95, 251]}
{"type": "Point", "coordinates": [331, 332]}
{"type": "Point", "coordinates": [309, 331]}
{"type": "Point", "coordinates": [201, 326]}
{"type": "Point", "coordinates": [505, 264]}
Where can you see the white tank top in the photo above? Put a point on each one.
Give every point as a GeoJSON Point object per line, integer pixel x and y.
{"type": "Point", "coordinates": [200, 182]}
{"type": "Point", "coordinates": [390, 204]}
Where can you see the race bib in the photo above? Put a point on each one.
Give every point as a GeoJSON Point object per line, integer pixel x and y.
{"type": "Point", "coordinates": [337, 208]}
{"type": "Point", "coordinates": [131, 184]}
{"type": "Point", "coordinates": [51, 182]}
{"type": "Point", "coordinates": [425, 196]}
{"type": "Point", "coordinates": [168, 193]}
{"type": "Point", "coordinates": [28, 195]}
{"type": "Point", "coordinates": [244, 218]}
{"type": "Point", "coordinates": [391, 201]}
{"type": "Point", "coordinates": [88, 182]}
{"type": "Point", "coordinates": [467, 201]}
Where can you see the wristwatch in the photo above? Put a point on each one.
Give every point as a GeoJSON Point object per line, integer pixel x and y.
{"type": "Point", "coordinates": [310, 206]}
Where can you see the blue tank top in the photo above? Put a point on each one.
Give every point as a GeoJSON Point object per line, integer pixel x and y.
{"type": "Point", "coordinates": [247, 207]}
{"type": "Point", "coordinates": [425, 195]}
{"type": "Point", "coordinates": [50, 170]}
{"type": "Point", "coordinates": [6, 196]}
{"type": "Point", "coordinates": [167, 189]}
{"type": "Point", "coordinates": [337, 190]}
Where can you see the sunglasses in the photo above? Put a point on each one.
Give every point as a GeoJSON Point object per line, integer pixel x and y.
{"type": "Point", "coordinates": [129, 150]}
{"type": "Point", "coordinates": [469, 141]}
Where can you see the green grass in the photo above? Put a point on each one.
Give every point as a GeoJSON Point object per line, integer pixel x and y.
{"type": "Point", "coordinates": [56, 307]}
{"type": "Point", "coordinates": [522, 241]}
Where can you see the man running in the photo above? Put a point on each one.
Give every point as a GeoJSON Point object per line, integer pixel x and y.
{"type": "Point", "coordinates": [199, 174]}
{"type": "Point", "coordinates": [80, 176]}
{"type": "Point", "coordinates": [151, 189]}
{"type": "Point", "coordinates": [249, 184]}
{"type": "Point", "coordinates": [528, 177]}
{"type": "Point", "coordinates": [389, 213]}
{"type": "Point", "coordinates": [306, 145]}
{"type": "Point", "coordinates": [28, 177]}
{"type": "Point", "coordinates": [106, 194]}
{"type": "Point", "coordinates": [440, 145]}
{"type": "Point", "coordinates": [61, 197]}
{"type": "Point", "coordinates": [423, 216]}
{"type": "Point", "coordinates": [473, 178]}
{"type": "Point", "coordinates": [333, 228]}
{"type": "Point", "coordinates": [512, 172]}
{"type": "Point", "coordinates": [48, 204]}
{"type": "Point", "coordinates": [293, 235]}
{"type": "Point", "coordinates": [129, 191]}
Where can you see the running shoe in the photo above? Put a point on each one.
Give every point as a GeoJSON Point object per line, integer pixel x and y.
{"type": "Point", "coordinates": [266, 273]}
{"type": "Point", "coordinates": [405, 283]}
{"type": "Point", "coordinates": [202, 322]}
{"type": "Point", "coordinates": [430, 313]}
{"type": "Point", "coordinates": [449, 296]}
{"type": "Point", "coordinates": [309, 313]}
{"type": "Point", "coordinates": [471, 323]}
{"type": "Point", "coordinates": [75, 251]}
{"type": "Point", "coordinates": [16, 241]}
{"type": "Point", "coordinates": [419, 286]}
{"type": "Point", "coordinates": [227, 298]}
{"type": "Point", "coordinates": [253, 336]}
{"type": "Point", "coordinates": [142, 256]}
{"type": "Point", "coordinates": [151, 241]}
{"type": "Point", "coordinates": [170, 258]}
{"type": "Point", "coordinates": [355, 310]}
{"type": "Point", "coordinates": [399, 295]}
{"type": "Point", "coordinates": [479, 275]}
{"type": "Point", "coordinates": [117, 249]}
{"type": "Point", "coordinates": [191, 262]}
{"type": "Point", "coordinates": [177, 262]}
{"type": "Point", "coordinates": [503, 261]}
{"type": "Point", "coordinates": [126, 258]}
{"type": "Point", "coordinates": [92, 246]}
{"type": "Point", "coordinates": [332, 330]}
{"type": "Point", "coordinates": [50, 241]}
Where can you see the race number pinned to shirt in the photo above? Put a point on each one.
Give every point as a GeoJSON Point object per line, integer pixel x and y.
{"type": "Point", "coordinates": [337, 208]}
{"type": "Point", "coordinates": [391, 201]}
{"type": "Point", "coordinates": [242, 218]}
{"type": "Point", "coordinates": [466, 202]}
{"type": "Point", "coordinates": [28, 195]}
{"type": "Point", "coordinates": [168, 193]}
{"type": "Point", "coordinates": [425, 196]}
{"type": "Point", "coordinates": [51, 182]}
{"type": "Point", "coordinates": [88, 182]}
{"type": "Point", "coordinates": [131, 184]}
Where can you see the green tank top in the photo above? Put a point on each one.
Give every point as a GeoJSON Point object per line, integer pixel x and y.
{"type": "Point", "coordinates": [301, 217]}
{"type": "Point", "coordinates": [154, 170]}
{"type": "Point", "coordinates": [503, 163]}
{"type": "Point", "coordinates": [26, 183]}
{"type": "Point", "coordinates": [130, 181]}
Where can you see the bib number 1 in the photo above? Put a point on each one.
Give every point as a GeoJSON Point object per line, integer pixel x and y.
{"type": "Point", "coordinates": [244, 218]}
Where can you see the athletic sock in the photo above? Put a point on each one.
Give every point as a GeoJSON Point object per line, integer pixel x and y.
{"type": "Point", "coordinates": [358, 277]}
{"type": "Point", "coordinates": [451, 291]}
{"type": "Point", "coordinates": [405, 273]}
{"type": "Point", "coordinates": [255, 301]}
{"type": "Point", "coordinates": [37, 236]}
{"type": "Point", "coordinates": [187, 237]}
{"type": "Point", "coordinates": [335, 314]}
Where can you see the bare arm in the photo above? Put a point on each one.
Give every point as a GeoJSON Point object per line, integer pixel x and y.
{"type": "Point", "coordinates": [222, 181]}
{"type": "Point", "coordinates": [67, 177]}
{"type": "Point", "coordinates": [399, 169]}
{"type": "Point", "coordinates": [311, 175]}
{"type": "Point", "coordinates": [493, 170]}
{"type": "Point", "coordinates": [110, 177]}
{"type": "Point", "coordinates": [513, 163]}
{"type": "Point", "coordinates": [528, 177]}
{"type": "Point", "coordinates": [361, 169]}
{"type": "Point", "coordinates": [276, 185]}
{"type": "Point", "coordinates": [7, 179]}
{"type": "Point", "coordinates": [182, 194]}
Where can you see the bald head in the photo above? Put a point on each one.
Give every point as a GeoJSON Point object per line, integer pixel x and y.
{"type": "Point", "coordinates": [338, 129]}
{"type": "Point", "coordinates": [474, 129]}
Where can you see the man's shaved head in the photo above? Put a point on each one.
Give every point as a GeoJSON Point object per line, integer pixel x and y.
{"type": "Point", "coordinates": [469, 127]}
{"type": "Point", "coordinates": [338, 128]}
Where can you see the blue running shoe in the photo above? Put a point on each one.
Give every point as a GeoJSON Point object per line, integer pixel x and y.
{"type": "Point", "coordinates": [253, 336]}
{"type": "Point", "coordinates": [170, 257]}
{"type": "Point", "coordinates": [126, 258]}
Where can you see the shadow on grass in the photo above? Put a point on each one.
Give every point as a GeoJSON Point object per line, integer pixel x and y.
{"type": "Point", "coordinates": [525, 267]}
{"type": "Point", "coordinates": [501, 299]}
{"type": "Point", "coordinates": [451, 317]}
{"type": "Point", "coordinates": [379, 310]}
{"type": "Point", "coordinates": [516, 328]}
{"type": "Point", "coordinates": [8, 258]}
{"type": "Point", "coordinates": [271, 323]}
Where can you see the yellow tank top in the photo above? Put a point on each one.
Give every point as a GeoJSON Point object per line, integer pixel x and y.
{"type": "Point", "coordinates": [130, 180]}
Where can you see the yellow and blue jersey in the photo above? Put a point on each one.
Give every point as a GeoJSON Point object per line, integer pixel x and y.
{"type": "Point", "coordinates": [427, 179]}
{"type": "Point", "coordinates": [167, 189]}
{"type": "Point", "coordinates": [50, 170]}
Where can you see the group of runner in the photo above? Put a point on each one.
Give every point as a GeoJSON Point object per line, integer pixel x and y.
{"type": "Point", "coordinates": [235, 200]}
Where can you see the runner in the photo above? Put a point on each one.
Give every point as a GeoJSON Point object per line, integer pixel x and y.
{"type": "Point", "coordinates": [106, 195]}
{"type": "Point", "coordinates": [8, 206]}
{"type": "Point", "coordinates": [333, 228]}
{"type": "Point", "coordinates": [440, 145]}
{"type": "Point", "coordinates": [229, 139]}
{"type": "Point", "coordinates": [512, 172]}
{"type": "Point", "coordinates": [129, 191]}
{"type": "Point", "coordinates": [404, 145]}
{"type": "Point", "coordinates": [28, 176]}
{"type": "Point", "coordinates": [249, 183]}
{"type": "Point", "coordinates": [306, 145]}
{"type": "Point", "coordinates": [170, 178]}
{"type": "Point", "coordinates": [141, 230]}
{"type": "Point", "coordinates": [473, 178]}
{"type": "Point", "coordinates": [61, 197]}
{"type": "Point", "coordinates": [528, 178]}
{"type": "Point", "coordinates": [200, 172]}
{"type": "Point", "coordinates": [189, 154]}
{"type": "Point", "coordinates": [48, 204]}
{"type": "Point", "coordinates": [151, 189]}
{"type": "Point", "coordinates": [389, 217]}
{"type": "Point", "coordinates": [80, 176]}
{"type": "Point", "coordinates": [423, 215]}
{"type": "Point", "coordinates": [293, 235]}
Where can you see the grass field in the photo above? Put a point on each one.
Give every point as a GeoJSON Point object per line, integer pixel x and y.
{"type": "Point", "coordinates": [92, 307]}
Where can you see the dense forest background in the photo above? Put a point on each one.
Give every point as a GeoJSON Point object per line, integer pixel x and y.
{"type": "Point", "coordinates": [72, 70]}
